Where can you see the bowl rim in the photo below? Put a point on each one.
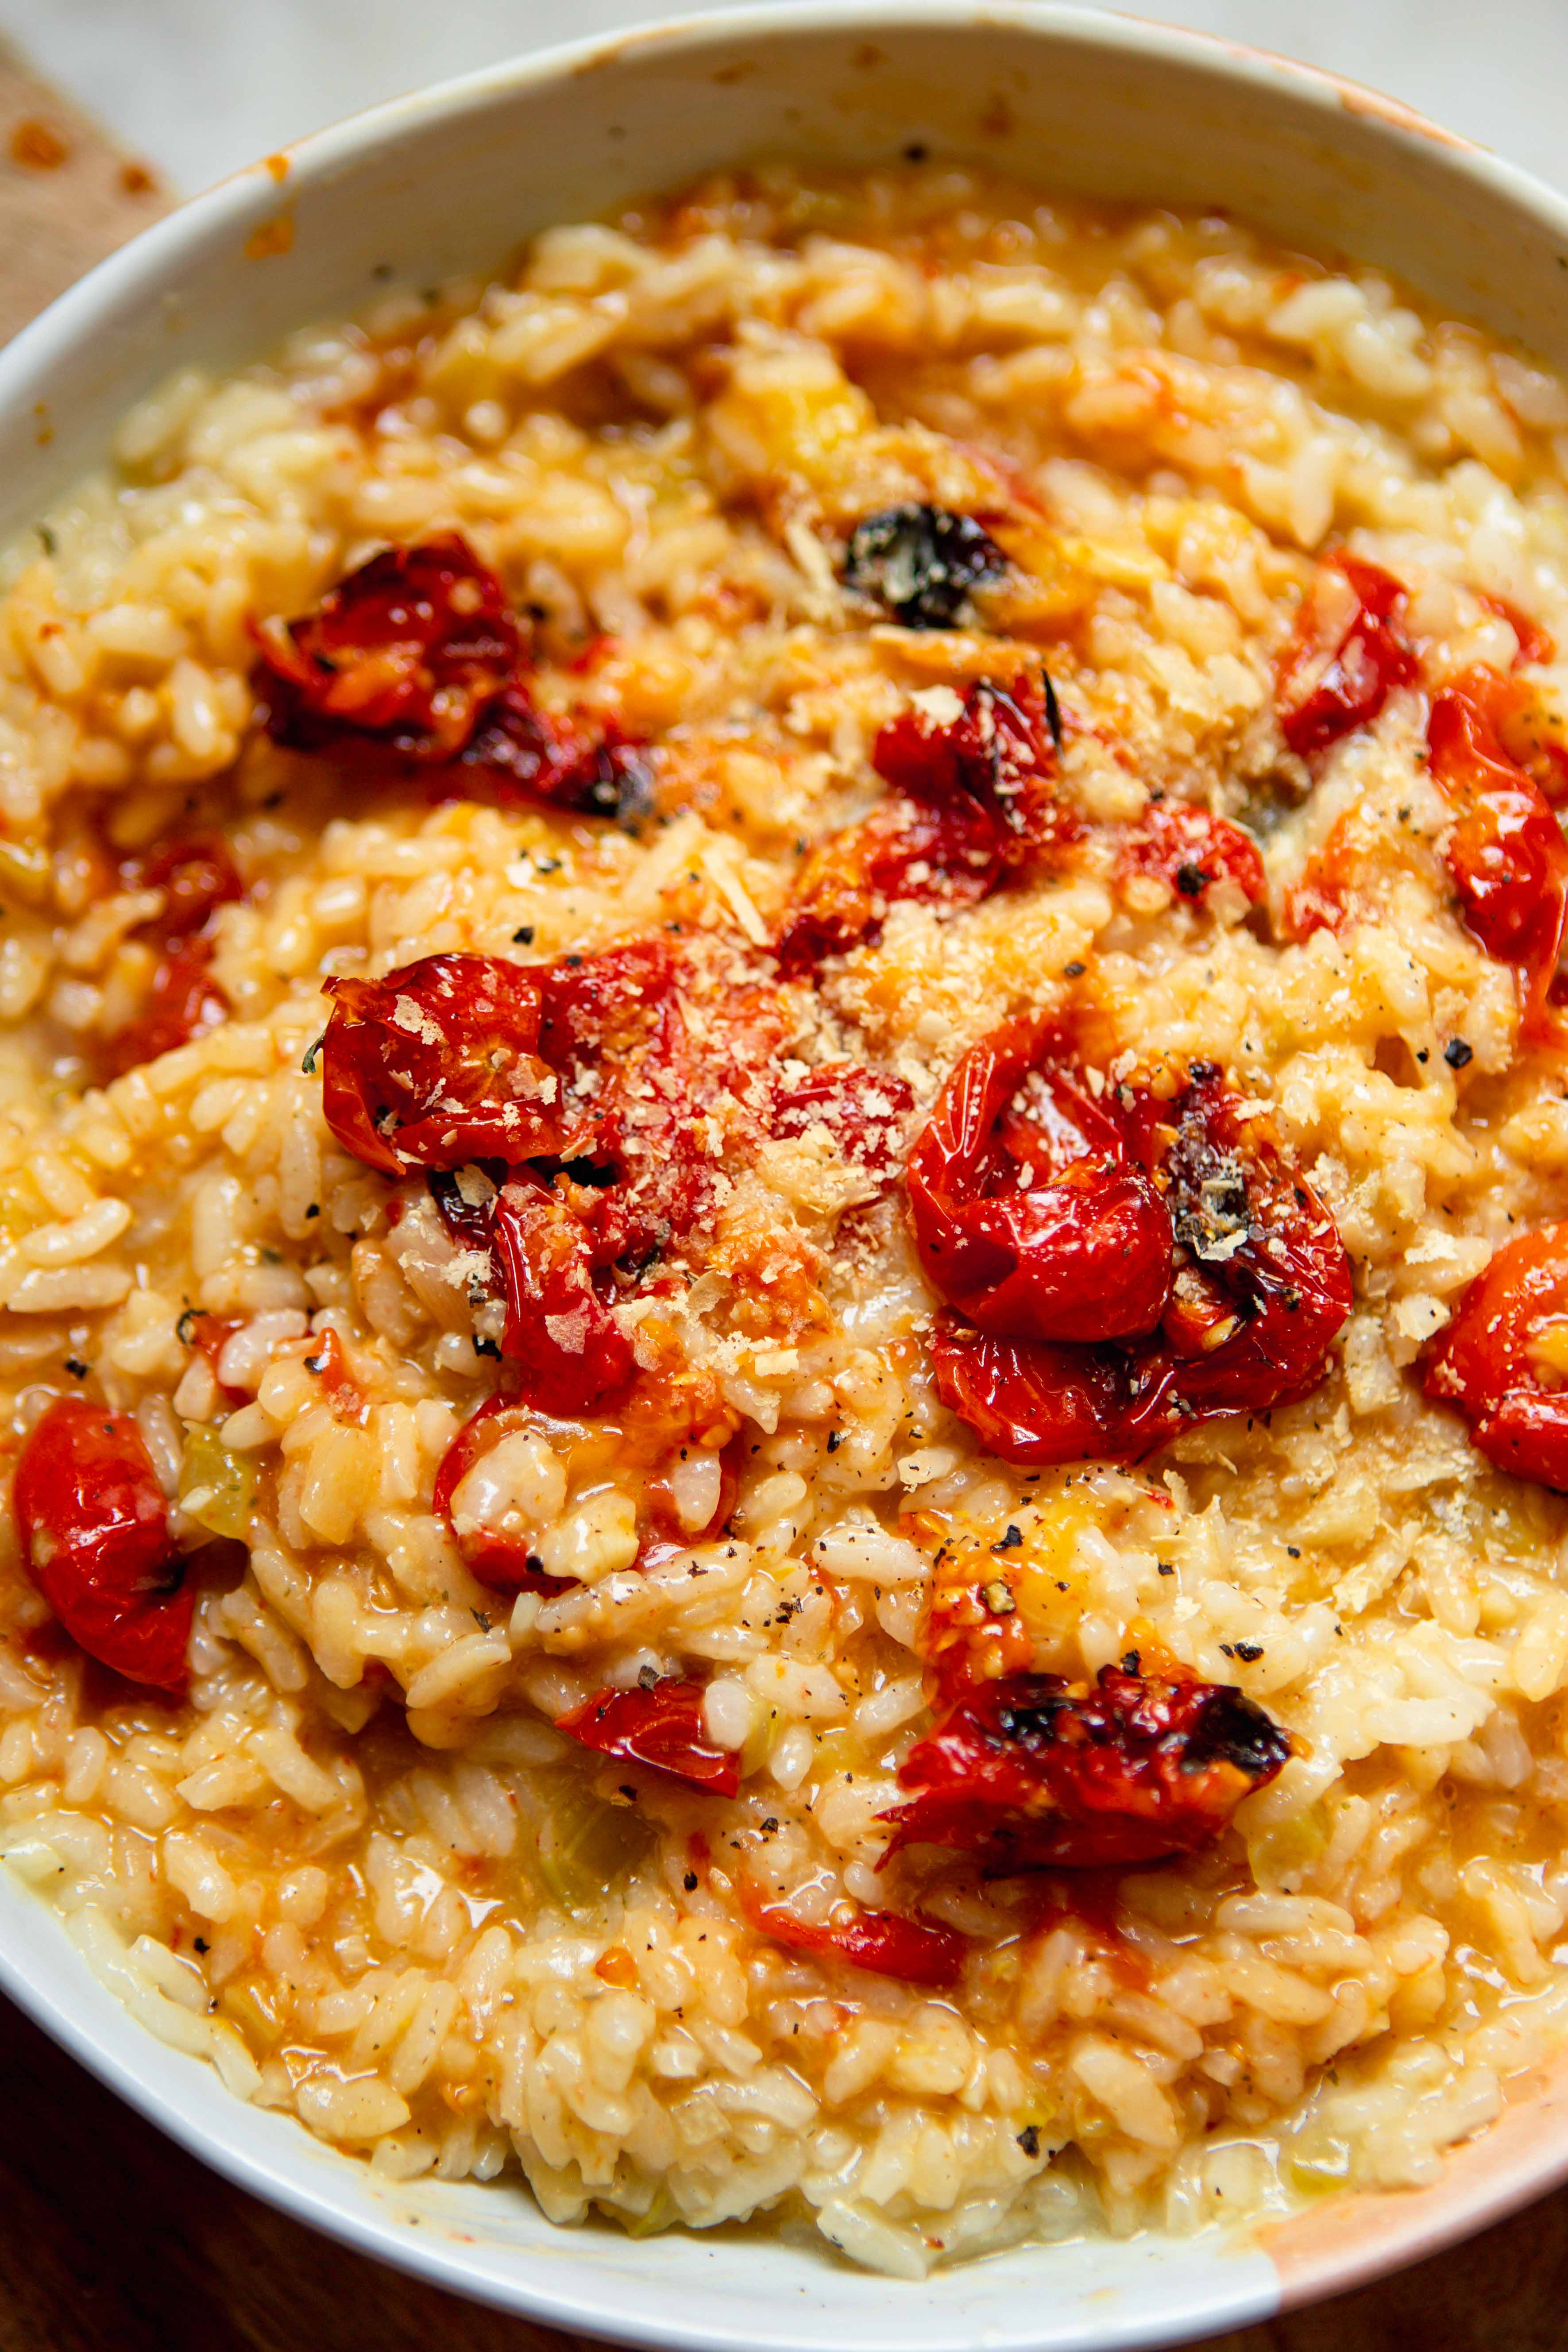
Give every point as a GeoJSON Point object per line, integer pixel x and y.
{"type": "Point", "coordinates": [1345, 2243]}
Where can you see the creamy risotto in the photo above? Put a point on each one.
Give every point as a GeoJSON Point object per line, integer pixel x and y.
{"type": "Point", "coordinates": [784, 1357]}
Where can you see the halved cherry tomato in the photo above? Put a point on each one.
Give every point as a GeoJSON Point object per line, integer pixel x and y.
{"type": "Point", "coordinates": [885, 1942]}
{"type": "Point", "coordinates": [569, 1351]}
{"type": "Point", "coordinates": [502, 1560]}
{"type": "Point", "coordinates": [1491, 1361]}
{"type": "Point", "coordinates": [406, 653]}
{"type": "Point", "coordinates": [1041, 1228]}
{"type": "Point", "coordinates": [440, 1063]}
{"type": "Point", "coordinates": [197, 876]}
{"type": "Point", "coordinates": [1535, 646]}
{"type": "Point", "coordinates": [185, 1001]}
{"type": "Point", "coordinates": [1190, 850]}
{"type": "Point", "coordinates": [864, 1111]}
{"type": "Point", "coordinates": [1506, 852]}
{"type": "Point", "coordinates": [1035, 1772]}
{"type": "Point", "coordinates": [661, 1728]}
{"type": "Point", "coordinates": [1327, 688]}
{"type": "Point", "coordinates": [94, 1531]}
{"type": "Point", "coordinates": [417, 657]}
{"type": "Point", "coordinates": [1262, 1286]}
{"type": "Point", "coordinates": [977, 799]}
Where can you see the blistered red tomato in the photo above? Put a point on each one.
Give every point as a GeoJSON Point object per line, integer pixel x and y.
{"type": "Point", "coordinates": [660, 1726]}
{"type": "Point", "coordinates": [975, 781]}
{"type": "Point", "coordinates": [523, 752]}
{"type": "Point", "coordinates": [197, 876]}
{"type": "Point", "coordinates": [1260, 1287]}
{"type": "Point", "coordinates": [1493, 1361]}
{"type": "Point", "coordinates": [567, 1350]}
{"type": "Point", "coordinates": [885, 1942]}
{"type": "Point", "coordinates": [1034, 1772]}
{"type": "Point", "coordinates": [416, 657]}
{"type": "Point", "coordinates": [1191, 850]}
{"type": "Point", "coordinates": [407, 652]}
{"type": "Point", "coordinates": [440, 1063]}
{"type": "Point", "coordinates": [864, 1111]}
{"type": "Point", "coordinates": [183, 1002]}
{"type": "Point", "coordinates": [94, 1530]}
{"type": "Point", "coordinates": [1328, 686]}
{"type": "Point", "coordinates": [496, 1558]}
{"type": "Point", "coordinates": [1041, 1226]}
{"type": "Point", "coordinates": [1506, 852]}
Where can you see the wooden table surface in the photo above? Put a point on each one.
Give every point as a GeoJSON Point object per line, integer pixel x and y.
{"type": "Point", "coordinates": [112, 2237]}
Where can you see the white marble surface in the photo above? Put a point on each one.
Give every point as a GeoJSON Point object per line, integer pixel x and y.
{"type": "Point", "coordinates": [202, 86]}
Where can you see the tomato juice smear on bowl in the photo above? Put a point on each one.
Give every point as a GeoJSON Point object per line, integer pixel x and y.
{"type": "Point", "coordinates": [755, 1461]}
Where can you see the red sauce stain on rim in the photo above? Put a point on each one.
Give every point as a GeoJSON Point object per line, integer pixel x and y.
{"type": "Point", "coordinates": [274, 236]}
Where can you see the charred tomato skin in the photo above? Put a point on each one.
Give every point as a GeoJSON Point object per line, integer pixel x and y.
{"type": "Point", "coordinates": [885, 1943]}
{"type": "Point", "coordinates": [974, 798]}
{"type": "Point", "coordinates": [1043, 1229]}
{"type": "Point", "coordinates": [661, 1728]}
{"type": "Point", "coordinates": [1262, 1286]}
{"type": "Point", "coordinates": [1325, 691]}
{"type": "Point", "coordinates": [1032, 1772]}
{"type": "Point", "coordinates": [1506, 852]}
{"type": "Point", "coordinates": [94, 1530]}
{"type": "Point", "coordinates": [920, 564]}
{"type": "Point", "coordinates": [1483, 1363]}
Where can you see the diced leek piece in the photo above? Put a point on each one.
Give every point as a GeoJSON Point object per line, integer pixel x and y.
{"type": "Point", "coordinates": [587, 1847]}
{"type": "Point", "coordinates": [660, 2215]}
{"type": "Point", "coordinates": [1281, 1856]}
{"type": "Point", "coordinates": [1317, 2168]}
{"type": "Point", "coordinates": [217, 1488]}
{"type": "Point", "coordinates": [250, 2005]}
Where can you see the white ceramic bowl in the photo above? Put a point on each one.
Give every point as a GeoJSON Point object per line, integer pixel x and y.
{"type": "Point", "coordinates": [451, 180]}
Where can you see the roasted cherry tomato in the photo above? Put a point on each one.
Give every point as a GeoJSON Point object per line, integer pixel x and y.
{"type": "Point", "coordinates": [406, 653]}
{"type": "Point", "coordinates": [661, 1728]}
{"type": "Point", "coordinates": [568, 1351]}
{"type": "Point", "coordinates": [496, 1558]}
{"type": "Point", "coordinates": [885, 1942]}
{"type": "Point", "coordinates": [1190, 850]}
{"type": "Point", "coordinates": [1034, 1772]}
{"type": "Point", "coordinates": [417, 657]}
{"type": "Point", "coordinates": [185, 1000]}
{"type": "Point", "coordinates": [863, 1110]}
{"type": "Point", "coordinates": [1328, 686]}
{"type": "Point", "coordinates": [439, 1064]}
{"type": "Point", "coordinates": [197, 876]}
{"type": "Point", "coordinates": [1506, 852]}
{"type": "Point", "coordinates": [1261, 1288]}
{"type": "Point", "coordinates": [1494, 1361]}
{"type": "Point", "coordinates": [94, 1531]}
{"type": "Point", "coordinates": [1535, 646]}
{"type": "Point", "coordinates": [526, 753]}
{"type": "Point", "coordinates": [922, 564]}
{"type": "Point", "coordinates": [1040, 1227]}
{"type": "Point", "coordinates": [975, 781]}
